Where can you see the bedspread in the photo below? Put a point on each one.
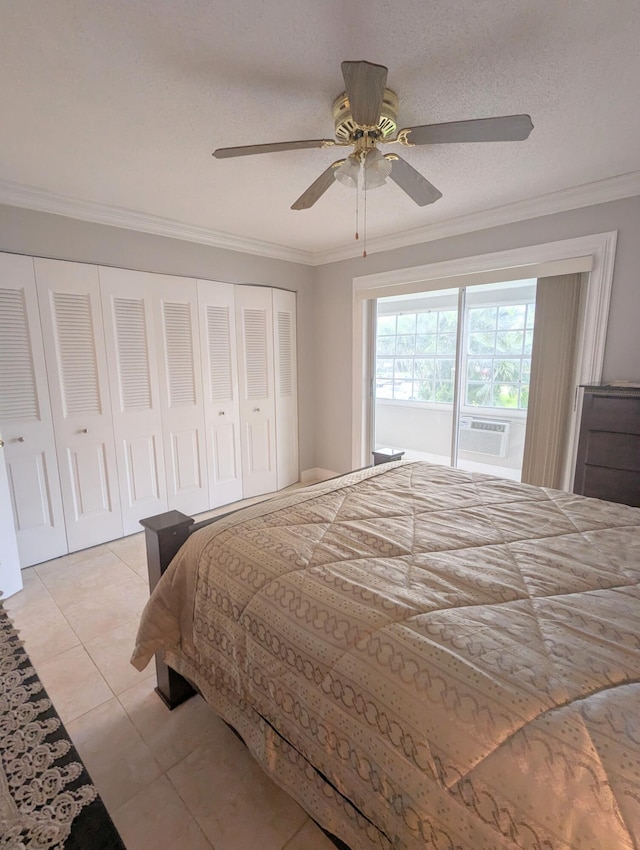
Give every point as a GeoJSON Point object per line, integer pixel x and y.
{"type": "Point", "coordinates": [424, 657]}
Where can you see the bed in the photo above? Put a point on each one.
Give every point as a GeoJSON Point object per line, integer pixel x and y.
{"type": "Point", "coordinates": [422, 657]}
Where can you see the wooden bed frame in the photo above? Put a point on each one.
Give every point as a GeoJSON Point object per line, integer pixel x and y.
{"type": "Point", "coordinates": [164, 535]}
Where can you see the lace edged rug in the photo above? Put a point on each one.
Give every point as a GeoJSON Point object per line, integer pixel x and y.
{"type": "Point", "coordinates": [47, 800]}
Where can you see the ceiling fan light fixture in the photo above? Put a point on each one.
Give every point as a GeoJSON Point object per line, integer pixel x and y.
{"type": "Point", "coordinates": [348, 172]}
{"type": "Point", "coordinates": [376, 169]}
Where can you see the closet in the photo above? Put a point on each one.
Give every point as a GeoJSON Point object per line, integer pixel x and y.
{"type": "Point", "coordinates": [124, 394]}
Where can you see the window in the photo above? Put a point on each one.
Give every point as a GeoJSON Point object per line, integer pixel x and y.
{"type": "Point", "coordinates": [415, 355]}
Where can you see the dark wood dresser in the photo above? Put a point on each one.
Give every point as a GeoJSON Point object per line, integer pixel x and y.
{"type": "Point", "coordinates": [608, 460]}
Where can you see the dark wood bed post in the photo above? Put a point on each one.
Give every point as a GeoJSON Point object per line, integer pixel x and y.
{"type": "Point", "coordinates": [164, 535]}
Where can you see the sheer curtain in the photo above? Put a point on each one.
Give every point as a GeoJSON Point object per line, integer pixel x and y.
{"type": "Point", "coordinates": [551, 386]}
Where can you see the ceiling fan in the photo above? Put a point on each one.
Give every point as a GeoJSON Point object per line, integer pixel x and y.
{"type": "Point", "coordinates": [365, 115]}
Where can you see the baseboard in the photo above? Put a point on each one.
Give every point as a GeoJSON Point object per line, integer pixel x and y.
{"type": "Point", "coordinates": [308, 476]}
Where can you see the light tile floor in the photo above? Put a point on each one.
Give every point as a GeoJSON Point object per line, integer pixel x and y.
{"type": "Point", "coordinates": [169, 779]}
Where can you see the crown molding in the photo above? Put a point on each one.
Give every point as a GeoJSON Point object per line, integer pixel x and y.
{"type": "Point", "coordinates": [29, 197]}
{"type": "Point", "coordinates": [600, 192]}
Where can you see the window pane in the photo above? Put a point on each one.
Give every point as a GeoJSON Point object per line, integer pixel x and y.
{"type": "Point", "coordinates": [479, 370]}
{"type": "Point", "coordinates": [524, 396]}
{"type": "Point", "coordinates": [403, 369]}
{"type": "Point", "coordinates": [512, 316]}
{"type": "Point", "coordinates": [531, 315]}
{"type": "Point", "coordinates": [447, 321]}
{"type": "Point", "coordinates": [424, 369]}
{"type": "Point", "coordinates": [526, 371]}
{"type": "Point", "coordinates": [384, 389]}
{"type": "Point", "coordinates": [506, 370]}
{"type": "Point", "coordinates": [482, 318]}
{"type": "Point", "coordinates": [482, 342]}
{"type": "Point", "coordinates": [509, 342]}
{"type": "Point", "coordinates": [427, 322]}
{"type": "Point", "coordinates": [424, 390]}
{"type": "Point", "coordinates": [407, 323]}
{"type": "Point", "coordinates": [405, 344]}
{"type": "Point", "coordinates": [402, 389]}
{"type": "Point", "coordinates": [384, 368]}
{"type": "Point", "coordinates": [386, 345]}
{"type": "Point", "coordinates": [479, 395]}
{"type": "Point", "coordinates": [505, 395]}
{"type": "Point", "coordinates": [444, 369]}
{"type": "Point", "coordinates": [446, 343]}
{"type": "Point", "coordinates": [444, 391]}
{"type": "Point", "coordinates": [386, 325]}
{"type": "Point", "coordinates": [426, 344]}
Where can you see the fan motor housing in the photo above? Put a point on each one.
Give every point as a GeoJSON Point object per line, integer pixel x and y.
{"type": "Point", "coordinates": [346, 127]}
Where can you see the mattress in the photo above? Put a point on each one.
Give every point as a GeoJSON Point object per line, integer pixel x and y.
{"type": "Point", "coordinates": [424, 657]}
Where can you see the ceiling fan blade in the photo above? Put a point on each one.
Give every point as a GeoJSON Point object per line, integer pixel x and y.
{"type": "Point", "coordinates": [249, 150]}
{"type": "Point", "coordinates": [412, 182]}
{"type": "Point", "coordinates": [308, 198]}
{"type": "Point", "coordinates": [365, 84]}
{"type": "Point", "coordinates": [508, 128]}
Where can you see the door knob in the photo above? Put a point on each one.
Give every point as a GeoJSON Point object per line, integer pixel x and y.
{"type": "Point", "coordinates": [1, 444]}
{"type": "Point", "coordinates": [20, 440]}
{"type": "Point", "coordinates": [84, 430]}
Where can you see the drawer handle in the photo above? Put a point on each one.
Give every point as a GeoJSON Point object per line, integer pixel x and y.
{"type": "Point", "coordinates": [221, 413]}
{"type": "Point", "coordinates": [256, 410]}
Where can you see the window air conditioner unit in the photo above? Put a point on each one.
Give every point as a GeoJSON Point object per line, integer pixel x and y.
{"type": "Point", "coordinates": [484, 436]}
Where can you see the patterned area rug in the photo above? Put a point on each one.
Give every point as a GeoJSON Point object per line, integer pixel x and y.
{"type": "Point", "coordinates": [47, 800]}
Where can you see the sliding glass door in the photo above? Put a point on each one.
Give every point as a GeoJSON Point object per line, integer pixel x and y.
{"type": "Point", "coordinates": [456, 355]}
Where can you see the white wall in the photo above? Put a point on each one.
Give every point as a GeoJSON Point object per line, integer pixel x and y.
{"type": "Point", "coordinates": [45, 235]}
{"type": "Point", "coordinates": [333, 304]}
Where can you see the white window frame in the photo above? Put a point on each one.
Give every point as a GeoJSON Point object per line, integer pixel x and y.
{"type": "Point", "coordinates": [594, 253]}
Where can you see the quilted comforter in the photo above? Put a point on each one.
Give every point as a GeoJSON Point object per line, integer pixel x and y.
{"type": "Point", "coordinates": [424, 657]}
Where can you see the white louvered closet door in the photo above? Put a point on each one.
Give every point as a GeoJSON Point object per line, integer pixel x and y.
{"type": "Point", "coordinates": [71, 315]}
{"type": "Point", "coordinates": [176, 308]}
{"type": "Point", "coordinates": [286, 386]}
{"type": "Point", "coordinates": [25, 418]}
{"type": "Point", "coordinates": [254, 324]}
{"type": "Point", "coordinates": [216, 307]}
{"type": "Point", "coordinates": [127, 309]}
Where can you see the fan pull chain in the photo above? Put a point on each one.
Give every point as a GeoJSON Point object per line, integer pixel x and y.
{"type": "Point", "coordinates": [357, 211]}
{"type": "Point", "coordinates": [364, 240]}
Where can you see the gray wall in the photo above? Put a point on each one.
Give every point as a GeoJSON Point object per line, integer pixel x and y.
{"type": "Point", "coordinates": [325, 293]}
{"type": "Point", "coordinates": [44, 235]}
{"type": "Point", "coordinates": [333, 305]}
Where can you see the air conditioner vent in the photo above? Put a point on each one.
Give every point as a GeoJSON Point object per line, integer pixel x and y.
{"type": "Point", "coordinates": [484, 436]}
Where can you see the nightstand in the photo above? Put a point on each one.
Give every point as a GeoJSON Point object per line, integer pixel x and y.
{"type": "Point", "coordinates": [386, 455]}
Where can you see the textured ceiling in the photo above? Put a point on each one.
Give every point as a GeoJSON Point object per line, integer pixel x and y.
{"type": "Point", "coordinates": [121, 102]}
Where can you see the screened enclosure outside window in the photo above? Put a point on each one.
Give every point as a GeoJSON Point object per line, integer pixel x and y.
{"type": "Point", "coordinates": [415, 355]}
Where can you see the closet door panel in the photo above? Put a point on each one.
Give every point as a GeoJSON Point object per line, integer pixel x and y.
{"type": "Point", "coordinates": [71, 315]}
{"type": "Point", "coordinates": [254, 318]}
{"type": "Point", "coordinates": [128, 312]}
{"type": "Point", "coordinates": [286, 386]}
{"type": "Point", "coordinates": [89, 477]}
{"type": "Point", "coordinates": [142, 460]}
{"type": "Point", "coordinates": [176, 313]}
{"type": "Point", "coordinates": [216, 305]}
{"type": "Point", "coordinates": [25, 418]}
